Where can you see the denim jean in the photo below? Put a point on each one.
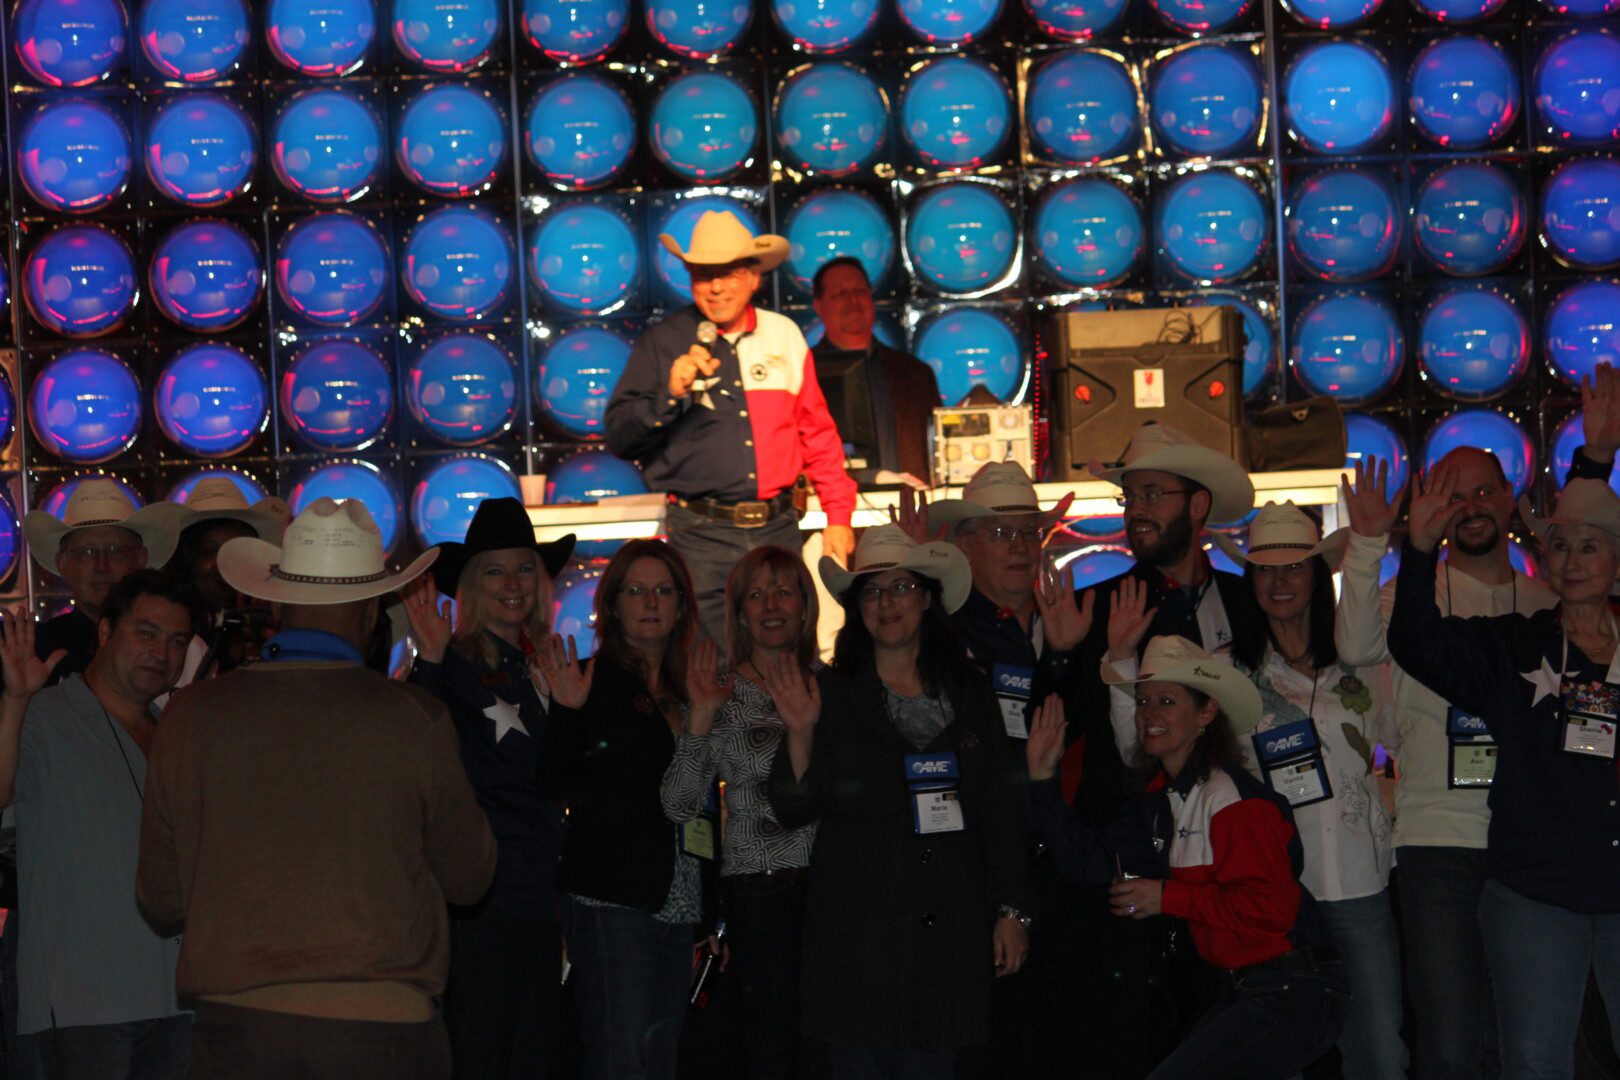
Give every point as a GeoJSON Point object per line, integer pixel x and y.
{"type": "Point", "coordinates": [711, 548]}
{"type": "Point", "coordinates": [157, 1049]}
{"type": "Point", "coordinates": [1363, 931]}
{"type": "Point", "coordinates": [1539, 958]}
{"type": "Point", "coordinates": [631, 977]}
{"type": "Point", "coordinates": [866, 1061]}
{"type": "Point", "coordinates": [1453, 1021]}
{"type": "Point", "coordinates": [502, 1002]}
{"type": "Point", "coordinates": [765, 922]}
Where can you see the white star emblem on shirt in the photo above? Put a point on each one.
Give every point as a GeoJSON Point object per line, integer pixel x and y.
{"type": "Point", "coordinates": [1546, 681]}
{"type": "Point", "coordinates": [505, 715]}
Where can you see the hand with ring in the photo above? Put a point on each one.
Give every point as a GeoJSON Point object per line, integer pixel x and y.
{"type": "Point", "coordinates": [1136, 898]}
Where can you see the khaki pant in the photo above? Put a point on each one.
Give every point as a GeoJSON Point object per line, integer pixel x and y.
{"type": "Point", "coordinates": [234, 1043]}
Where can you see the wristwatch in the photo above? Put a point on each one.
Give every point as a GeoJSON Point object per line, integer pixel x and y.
{"type": "Point", "coordinates": [1007, 911]}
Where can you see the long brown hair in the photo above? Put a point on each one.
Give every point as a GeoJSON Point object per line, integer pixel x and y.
{"type": "Point", "coordinates": [611, 642]}
{"type": "Point", "coordinates": [1216, 748]}
{"type": "Point", "coordinates": [771, 559]}
{"type": "Point", "coordinates": [469, 638]}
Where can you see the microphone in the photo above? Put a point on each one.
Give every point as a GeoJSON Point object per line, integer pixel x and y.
{"type": "Point", "coordinates": [707, 335]}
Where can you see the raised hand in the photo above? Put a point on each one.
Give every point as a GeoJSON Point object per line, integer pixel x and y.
{"type": "Point", "coordinates": [1433, 510]}
{"type": "Point", "coordinates": [25, 673]}
{"type": "Point", "coordinates": [708, 685]}
{"type": "Point", "coordinates": [1600, 413]}
{"type": "Point", "coordinates": [797, 697]}
{"type": "Point", "coordinates": [568, 679]}
{"type": "Point", "coordinates": [687, 368]}
{"type": "Point", "coordinates": [1064, 622]}
{"type": "Point", "coordinates": [430, 620]}
{"type": "Point", "coordinates": [913, 515]}
{"type": "Point", "coordinates": [1372, 512]}
{"type": "Point", "coordinates": [1044, 749]}
{"type": "Point", "coordinates": [1129, 618]}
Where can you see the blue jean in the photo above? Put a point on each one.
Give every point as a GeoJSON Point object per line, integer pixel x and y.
{"type": "Point", "coordinates": [1269, 1026]}
{"type": "Point", "coordinates": [711, 548]}
{"type": "Point", "coordinates": [1539, 958]}
{"type": "Point", "coordinates": [157, 1049]}
{"type": "Point", "coordinates": [631, 976]}
{"type": "Point", "coordinates": [765, 921]}
{"type": "Point", "coordinates": [1450, 988]}
{"type": "Point", "coordinates": [866, 1061]}
{"type": "Point", "coordinates": [1363, 931]}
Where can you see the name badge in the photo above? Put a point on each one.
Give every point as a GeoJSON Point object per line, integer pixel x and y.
{"type": "Point", "coordinates": [1291, 758]}
{"type": "Point", "coordinates": [1473, 751]}
{"type": "Point", "coordinates": [1591, 716]}
{"type": "Point", "coordinates": [700, 836]}
{"type": "Point", "coordinates": [935, 803]}
{"type": "Point", "coordinates": [1013, 686]}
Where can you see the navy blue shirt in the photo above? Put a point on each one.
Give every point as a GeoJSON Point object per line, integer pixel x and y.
{"type": "Point", "coordinates": [995, 636]}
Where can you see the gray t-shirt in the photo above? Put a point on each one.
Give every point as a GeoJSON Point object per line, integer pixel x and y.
{"type": "Point", "coordinates": [84, 953]}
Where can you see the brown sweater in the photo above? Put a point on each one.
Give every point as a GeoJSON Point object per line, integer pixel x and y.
{"type": "Point", "coordinates": [305, 824]}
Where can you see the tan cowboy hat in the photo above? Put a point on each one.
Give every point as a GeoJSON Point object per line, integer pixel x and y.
{"type": "Point", "coordinates": [887, 547]}
{"type": "Point", "coordinates": [332, 553]}
{"type": "Point", "coordinates": [1174, 659]}
{"type": "Point", "coordinates": [1282, 534]}
{"type": "Point", "coordinates": [999, 487]}
{"type": "Point", "coordinates": [721, 238]}
{"type": "Point", "coordinates": [1583, 502]}
{"type": "Point", "coordinates": [216, 498]}
{"type": "Point", "coordinates": [100, 500]}
{"type": "Point", "coordinates": [1162, 448]}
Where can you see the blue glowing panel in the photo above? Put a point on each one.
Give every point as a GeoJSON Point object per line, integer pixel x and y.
{"type": "Point", "coordinates": [1371, 437]}
{"type": "Point", "coordinates": [1580, 213]}
{"type": "Point", "coordinates": [1212, 226]}
{"type": "Point", "coordinates": [8, 409]}
{"type": "Point", "coordinates": [1332, 14]}
{"type": "Point", "coordinates": [85, 407]}
{"type": "Point", "coordinates": [194, 40]}
{"type": "Point", "coordinates": [1469, 219]}
{"type": "Point", "coordinates": [1108, 527]}
{"type": "Point", "coordinates": [11, 539]}
{"type": "Point", "coordinates": [343, 480]}
{"type": "Point", "coordinates": [201, 149]}
{"type": "Point", "coordinates": [79, 281]}
{"type": "Point", "coordinates": [1076, 20]}
{"type": "Point", "coordinates": [1081, 108]}
{"type": "Point", "coordinates": [1582, 9]}
{"type": "Point", "coordinates": [1339, 97]}
{"type": "Point", "coordinates": [332, 269]}
{"type": "Point", "coordinates": [592, 475]}
{"type": "Point", "coordinates": [972, 347]}
{"type": "Point", "coordinates": [211, 400]}
{"type": "Point", "coordinates": [585, 258]}
{"type": "Point", "coordinates": [1349, 347]}
{"type": "Point", "coordinates": [833, 223]}
{"type": "Point", "coordinates": [885, 329]}
{"type": "Point", "coordinates": [1464, 92]}
{"type": "Point", "coordinates": [948, 22]}
{"type": "Point", "coordinates": [699, 29]}
{"type": "Point", "coordinates": [320, 37]}
{"type": "Point", "coordinates": [458, 264]}
{"type": "Point", "coordinates": [337, 395]}
{"type": "Point", "coordinates": [831, 118]}
{"type": "Point", "coordinates": [1488, 430]}
{"type": "Point", "coordinates": [462, 389]}
{"type": "Point", "coordinates": [1566, 443]}
{"type": "Point", "coordinates": [581, 131]}
{"type": "Point", "coordinates": [327, 146]}
{"type": "Point", "coordinates": [1473, 344]}
{"type": "Point", "coordinates": [1260, 350]}
{"type": "Point", "coordinates": [825, 26]}
{"type": "Point", "coordinates": [74, 156]}
{"type": "Point", "coordinates": [447, 496]}
{"type": "Point", "coordinates": [669, 273]}
{"type": "Point", "coordinates": [573, 605]}
{"type": "Point", "coordinates": [576, 377]}
{"type": "Point", "coordinates": [451, 140]}
{"type": "Point", "coordinates": [206, 275]}
{"type": "Point", "coordinates": [961, 237]}
{"type": "Point", "coordinates": [1088, 233]}
{"type": "Point", "coordinates": [575, 31]}
{"type": "Point", "coordinates": [1583, 330]}
{"type": "Point", "coordinates": [250, 488]}
{"type": "Point", "coordinates": [1345, 225]}
{"type": "Point", "coordinates": [703, 126]}
{"type": "Point", "coordinates": [1577, 84]}
{"type": "Point", "coordinates": [446, 36]}
{"type": "Point", "coordinates": [1458, 12]}
{"type": "Point", "coordinates": [1097, 565]}
{"type": "Point", "coordinates": [1199, 16]}
{"type": "Point", "coordinates": [955, 112]}
{"type": "Point", "coordinates": [69, 42]}
{"type": "Point", "coordinates": [1208, 100]}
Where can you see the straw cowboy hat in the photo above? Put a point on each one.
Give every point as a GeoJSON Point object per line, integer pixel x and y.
{"type": "Point", "coordinates": [1174, 659]}
{"type": "Point", "coordinates": [100, 500]}
{"type": "Point", "coordinates": [1282, 534]}
{"type": "Point", "coordinates": [332, 553]}
{"type": "Point", "coordinates": [1583, 502]}
{"type": "Point", "coordinates": [497, 525]}
{"type": "Point", "coordinates": [887, 547]}
{"type": "Point", "coordinates": [1000, 487]}
{"type": "Point", "coordinates": [721, 238]}
{"type": "Point", "coordinates": [1162, 448]}
{"type": "Point", "coordinates": [216, 498]}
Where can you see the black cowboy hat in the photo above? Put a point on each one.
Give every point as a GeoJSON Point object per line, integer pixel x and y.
{"type": "Point", "coordinates": [498, 524]}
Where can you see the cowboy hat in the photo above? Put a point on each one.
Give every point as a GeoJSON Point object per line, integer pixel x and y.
{"type": "Point", "coordinates": [1583, 502]}
{"type": "Point", "coordinates": [1162, 448]}
{"type": "Point", "coordinates": [887, 547]}
{"type": "Point", "coordinates": [1174, 659]}
{"type": "Point", "coordinates": [999, 487]}
{"type": "Point", "coordinates": [720, 238]}
{"type": "Point", "coordinates": [101, 500]}
{"type": "Point", "coordinates": [332, 553]}
{"type": "Point", "coordinates": [498, 524]}
{"type": "Point", "coordinates": [216, 498]}
{"type": "Point", "coordinates": [1282, 534]}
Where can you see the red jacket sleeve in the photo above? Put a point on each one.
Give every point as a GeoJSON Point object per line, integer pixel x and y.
{"type": "Point", "coordinates": [1250, 889]}
{"type": "Point", "coordinates": [823, 449]}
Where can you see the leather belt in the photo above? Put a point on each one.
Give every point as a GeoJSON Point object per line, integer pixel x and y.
{"type": "Point", "coordinates": [748, 514]}
{"type": "Point", "coordinates": [1304, 958]}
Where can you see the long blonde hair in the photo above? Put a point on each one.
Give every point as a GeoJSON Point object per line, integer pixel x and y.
{"type": "Point", "coordinates": [771, 559]}
{"type": "Point", "coordinates": [472, 615]}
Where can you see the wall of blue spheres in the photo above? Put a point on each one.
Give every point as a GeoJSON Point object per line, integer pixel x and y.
{"type": "Point", "coordinates": [399, 248]}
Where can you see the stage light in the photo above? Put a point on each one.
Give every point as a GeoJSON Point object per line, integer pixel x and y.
{"type": "Point", "coordinates": [320, 38]}
{"type": "Point", "coordinates": [1076, 20]}
{"type": "Point", "coordinates": [74, 156]}
{"type": "Point", "coordinates": [1567, 441]}
{"type": "Point", "coordinates": [55, 503]}
{"type": "Point", "coordinates": [69, 42]}
{"type": "Point", "coordinates": [1474, 344]}
{"type": "Point", "coordinates": [961, 237]}
{"type": "Point", "coordinates": [206, 275]}
{"type": "Point", "coordinates": [1212, 226]}
{"type": "Point", "coordinates": [85, 407]}
{"type": "Point", "coordinates": [250, 488]}
{"type": "Point", "coordinates": [1458, 12]}
{"type": "Point", "coordinates": [584, 258]}
{"type": "Point", "coordinates": [1207, 100]}
{"type": "Point", "coordinates": [575, 31]}
{"type": "Point", "coordinates": [1339, 97]}
{"type": "Point", "coordinates": [446, 36]}
{"type": "Point", "coordinates": [1582, 9]}
{"type": "Point", "coordinates": [1332, 14]}
{"type": "Point", "coordinates": [948, 22]}
{"type": "Point", "coordinates": [1464, 92]}
{"type": "Point", "coordinates": [831, 118]}
{"type": "Point", "coordinates": [825, 26]}
{"type": "Point", "coordinates": [1199, 16]}
{"type": "Point", "coordinates": [838, 222]}
{"type": "Point", "coordinates": [447, 496]}
{"type": "Point", "coordinates": [956, 112]}
{"type": "Point", "coordinates": [703, 126]}
{"type": "Point", "coordinates": [1469, 219]}
{"type": "Point", "coordinates": [194, 40]}
{"type": "Point", "coordinates": [79, 281]}
{"type": "Point", "coordinates": [337, 395]}
{"type": "Point", "coordinates": [211, 400]}
{"type": "Point", "coordinates": [201, 149]}
{"type": "Point", "coordinates": [11, 540]}
{"type": "Point", "coordinates": [1260, 350]}
{"type": "Point", "coordinates": [8, 409]}
{"type": "Point", "coordinates": [462, 389]}
{"type": "Point", "coordinates": [885, 329]}
{"type": "Point", "coordinates": [326, 145]}
{"type": "Point", "coordinates": [1348, 346]}
{"type": "Point", "coordinates": [1367, 436]}
{"type": "Point", "coordinates": [970, 347]}
{"type": "Point", "coordinates": [1583, 330]}
{"type": "Point", "coordinates": [576, 377]}
{"type": "Point", "coordinates": [458, 263]}
{"type": "Point", "coordinates": [1486, 429]}
{"type": "Point", "coordinates": [342, 480]}
{"type": "Point", "coordinates": [681, 217]}
{"type": "Point", "coordinates": [1580, 213]}
{"type": "Point", "coordinates": [332, 269]}
{"type": "Point", "coordinates": [573, 607]}
{"type": "Point", "coordinates": [1345, 225]}
{"type": "Point", "coordinates": [698, 29]}
{"type": "Point", "coordinates": [1088, 232]}
{"type": "Point", "coordinates": [451, 141]}
{"type": "Point", "coordinates": [593, 475]}
{"type": "Point", "coordinates": [1081, 108]}
{"type": "Point", "coordinates": [581, 131]}
{"type": "Point", "coordinates": [1577, 83]}
{"type": "Point", "coordinates": [1098, 564]}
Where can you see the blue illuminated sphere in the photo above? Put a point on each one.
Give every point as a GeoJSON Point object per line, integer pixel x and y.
{"type": "Point", "coordinates": [573, 604]}
{"type": "Point", "coordinates": [1580, 213]}
{"type": "Point", "coordinates": [576, 377]}
{"type": "Point", "coordinates": [1081, 108]}
{"type": "Point", "coordinates": [55, 504]}
{"type": "Point", "coordinates": [1260, 351]}
{"type": "Point", "coordinates": [581, 131]}
{"type": "Point", "coordinates": [1332, 14]}
{"type": "Point", "coordinates": [69, 42]}
{"type": "Point", "coordinates": [1105, 527]}
{"type": "Point", "coordinates": [585, 258]}
{"type": "Point", "coordinates": [1458, 12]}
{"type": "Point", "coordinates": [1577, 84]}
{"type": "Point", "coordinates": [1212, 226]}
{"type": "Point", "coordinates": [961, 237]}
{"type": "Point", "coordinates": [250, 488]}
{"type": "Point", "coordinates": [74, 156]}
{"type": "Point", "coordinates": [206, 275]}
{"type": "Point", "coordinates": [1088, 233]}
{"type": "Point", "coordinates": [1566, 443]}
{"type": "Point", "coordinates": [327, 146]}
{"type": "Point", "coordinates": [79, 281]}
{"type": "Point", "coordinates": [1339, 97]}
{"type": "Point", "coordinates": [342, 480]}
{"type": "Point", "coordinates": [446, 35]}
{"type": "Point", "coordinates": [201, 149]}
{"type": "Point", "coordinates": [1097, 565]}
{"type": "Point", "coordinates": [462, 389]}
{"type": "Point", "coordinates": [825, 26]}
{"type": "Point", "coordinates": [85, 407]}
{"type": "Point", "coordinates": [11, 539]}
{"type": "Point", "coordinates": [451, 140]}
{"type": "Point", "coordinates": [8, 408]}
{"type": "Point", "coordinates": [1199, 16]}
{"type": "Point", "coordinates": [1488, 430]}
{"type": "Point", "coordinates": [1349, 347]}
{"type": "Point", "coordinates": [698, 29]}
{"type": "Point", "coordinates": [320, 37]}
{"type": "Point", "coordinates": [1583, 330]}
{"type": "Point", "coordinates": [575, 31]}
{"type": "Point", "coordinates": [1207, 100]}
{"type": "Point", "coordinates": [948, 22]}
{"type": "Point", "coordinates": [458, 263]}
{"type": "Point", "coordinates": [332, 269]}
{"type": "Point", "coordinates": [956, 112]}
{"type": "Point", "coordinates": [703, 126]}
{"type": "Point", "coordinates": [1076, 20]}
{"type": "Point", "coordinates": [1464, 92]}
{"type": "Point", "coordinates": [1474, 344]}
{"type": "Point", "coordinates": [971, 347]}
{"type": "Point", "coordinates": [211, 400]}
{"type": "Point", "coordinates": [194, 40]}
{"type": "Point", "coordinates": [1582, 9]}
{"type": "Point", "coordinates": [1469, 219]}
{"type": "Point", "coordinates": [669, 273]}
{"type": "Point", "coordinates": [592, 475]}
{"type": "Point", "coordinates": [831, 118]}
{"type": "Point", "coordinates": [447, 496]}
{"type": "Point", "coordinates": [833, 223]}
{"type": "Point", "coordinates": [1367, 436]}
{"type": "Point", "coordinates": [337, 395]}
{"type": "Point", "coordinates": [1345, 225]}
{"type": "Point", "coordinates": [885, 329]}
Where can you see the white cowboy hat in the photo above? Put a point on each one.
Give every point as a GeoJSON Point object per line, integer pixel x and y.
{"type": "Point", "coordinates": [1162, 448]}
{"type": "Point", "coordinates": [1582, 502]}
{"type": "Point", "coordinates": [332, 553]}
{"type": "Point", "coordinates": [1282, 534]}
{"type": "Point", "coordinates": [216, 497]}
{"type": "Point", "coordinates": [887, 547]}
{"type": "Point", "coordinates": [999, 487]}
{"type": "Point", "coordinates": [1174, 659]}
{"type": "Point", "coordinates": [721, 238]}
{"type": "Point", "coordinates": [100, 500]}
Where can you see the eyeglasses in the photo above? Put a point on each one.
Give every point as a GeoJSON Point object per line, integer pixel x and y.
{"type": "Point", "coordinates": [89, 554]}
{"type": "Point", "coordinates": [663, 592]}
{"type": "Point", "coordinates": [1267, 569]}
{"type": "Point", "coordinates": [1146, 497]}
{"type": "Point", "coordinates": [871, 594]}
{"type": "Point", "coordinates": [1006, 534]}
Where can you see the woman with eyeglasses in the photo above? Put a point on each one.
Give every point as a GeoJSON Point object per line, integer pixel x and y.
{"type": "Point", "coordinates": [918, 880]}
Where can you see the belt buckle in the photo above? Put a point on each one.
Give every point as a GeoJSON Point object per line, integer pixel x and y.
{"type": "Point", "coordinates": [751, 514]}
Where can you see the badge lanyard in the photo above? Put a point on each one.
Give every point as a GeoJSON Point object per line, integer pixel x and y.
{"type": "Point", "coordinates": [1291, 758]}
{"type": "Point", "coordinates": [1590, 710]}
{"type": "Point", "coordinates": [1472, 749]}
{"type": "Point", "coordinates": [140, 796]}
{"type": "Point", "coordinates": [936, 806]}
